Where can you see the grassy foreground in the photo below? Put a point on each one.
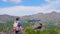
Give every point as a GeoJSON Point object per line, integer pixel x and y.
{"type": "Point", "coordinates": [52, 31]}
{"type": "Point", "coordinates": [5, 28]}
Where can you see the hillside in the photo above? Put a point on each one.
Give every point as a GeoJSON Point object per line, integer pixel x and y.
{"type": "Point", "coordinates": [53, 16]}
{"type": "Point", "coordinates": [49, 21]}
{"type": "Point", "coordinates": [5, 17]}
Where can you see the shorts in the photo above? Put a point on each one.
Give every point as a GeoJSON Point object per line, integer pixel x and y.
{"type": "Point", "coordinates": [18, 28]}
{"type": "Point", "coordinates": [18, 31]}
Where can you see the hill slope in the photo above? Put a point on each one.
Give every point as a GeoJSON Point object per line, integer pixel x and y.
{"type": "Point", "coordinates": [53, 16]}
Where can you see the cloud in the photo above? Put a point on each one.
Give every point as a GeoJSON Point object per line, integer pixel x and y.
{"type": "Point", "coordinates": [13, 1]}
{"type": "Point", "coordinates": [20, 10]}
{"type": "Point", "coordinates": [16, 1]}
{"type": "Point", "coordinates": [50, 0]}
{"type": "Point", "coordinates": [4, 0]}
{"type": "Point", "coordinates": [53, 5]}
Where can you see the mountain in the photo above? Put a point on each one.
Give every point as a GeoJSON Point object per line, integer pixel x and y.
{"type": "Point", "coordinates": [5, 17]}
{"type": "Point", "coordinates": [43, 17]}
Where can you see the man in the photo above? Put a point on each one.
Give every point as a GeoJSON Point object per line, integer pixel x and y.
{"type": "Point", "coordinates": [17, 26]}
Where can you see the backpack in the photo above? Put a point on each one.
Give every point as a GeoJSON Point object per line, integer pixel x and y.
{"type": "Point", "coordinates": [15, 26]}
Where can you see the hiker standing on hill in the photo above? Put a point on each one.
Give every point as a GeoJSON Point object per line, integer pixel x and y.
{"type": "Point", "coordinates": [17, 26]}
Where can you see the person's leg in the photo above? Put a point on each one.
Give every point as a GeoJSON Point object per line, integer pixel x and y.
{"type": "Point", "coordinates": [16, 32]}
{"type": "Point", "coordinates": [20, 30]}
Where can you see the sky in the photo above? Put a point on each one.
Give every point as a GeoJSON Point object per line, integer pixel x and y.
{"type": "Point", "coordinates": [28, 7]}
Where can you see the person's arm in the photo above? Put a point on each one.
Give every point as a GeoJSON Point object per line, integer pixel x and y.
{"type": "Point", "coordinates": [19, 24]}
{"type": "Point", "coordinates": [21, 28]}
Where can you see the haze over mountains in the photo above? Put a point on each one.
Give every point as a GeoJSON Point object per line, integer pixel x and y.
{"type": "Point", "coordinates": [53, 16]}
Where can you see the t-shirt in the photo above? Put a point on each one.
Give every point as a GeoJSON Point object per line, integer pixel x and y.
{"type": "Point", "coordinates": [19, 23]}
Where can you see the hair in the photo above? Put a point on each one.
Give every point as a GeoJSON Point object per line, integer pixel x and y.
{"type": "Point", "coordinates": [17, 18]}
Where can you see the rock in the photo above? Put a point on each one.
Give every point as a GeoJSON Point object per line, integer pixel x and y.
{"type": "Point", "coordinates": [2, 33]}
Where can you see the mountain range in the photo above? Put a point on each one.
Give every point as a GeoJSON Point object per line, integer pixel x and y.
{"type": "Point", "coordinates": [43, 17]}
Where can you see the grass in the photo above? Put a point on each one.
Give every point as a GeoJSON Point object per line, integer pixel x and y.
{"type": "Point", "coordinates": [4, 27]}
{"type": "Point", "coordinates": [30, 31]}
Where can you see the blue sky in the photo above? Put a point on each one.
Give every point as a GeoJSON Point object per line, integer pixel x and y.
{"type": "Point", "coordinates": [28, 7]}
{"type": "Point", "coordinates": [23, 3]}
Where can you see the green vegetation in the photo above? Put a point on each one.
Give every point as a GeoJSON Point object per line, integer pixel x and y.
{"type": "Point", "coordinates": [50, 28]}
{"type": "Point", "coordinates": [6, 26]}
{"type": "Point", "coordinates": [30, 31]}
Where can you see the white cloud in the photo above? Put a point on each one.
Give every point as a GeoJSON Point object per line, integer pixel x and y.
{"type": "Point", "coordinates": [20, 10]}
{"type": "Point", "coordinates": [16, 1]}
{"type": "Point", "coordinates": [50, 0]}
{"type": "Point", "coordinates": [53, 5]}
{"type": "Point", "coordinates": [28, 10]}
{"type": "Point", "coordinates": [13, 1]}
{"type": "Point", "coordinates": [4, 0]}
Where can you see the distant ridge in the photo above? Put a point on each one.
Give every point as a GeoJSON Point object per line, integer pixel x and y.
{"type": "Point", "coordinates": [55, 16]}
